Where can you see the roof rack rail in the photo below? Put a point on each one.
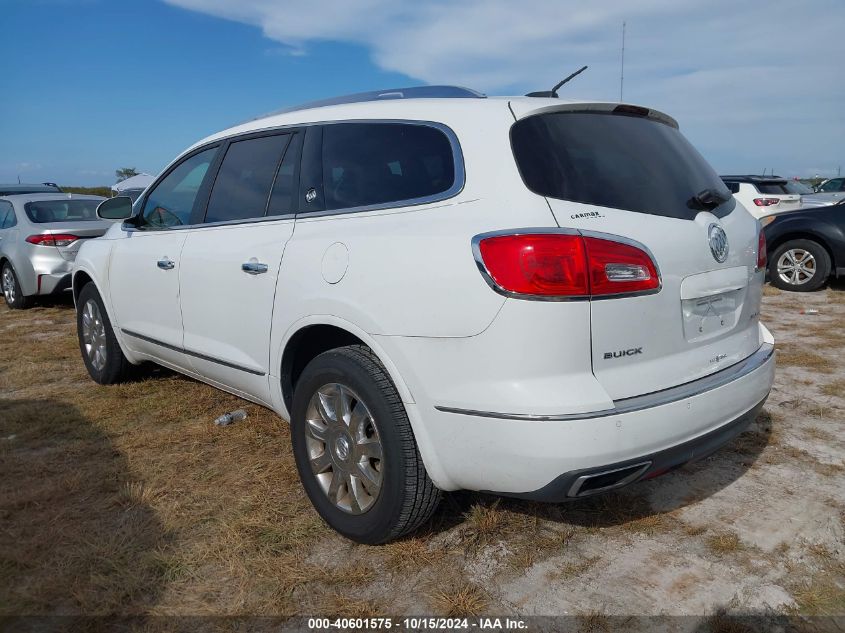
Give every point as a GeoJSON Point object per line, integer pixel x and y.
{"type": "Point", "coordinates": [415, 92]}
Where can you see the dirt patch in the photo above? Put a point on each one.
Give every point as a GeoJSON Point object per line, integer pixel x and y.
{"type": "Point", "coordinates": [129, 500]}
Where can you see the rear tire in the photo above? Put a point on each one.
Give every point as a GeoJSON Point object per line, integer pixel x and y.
{"type": "Point", "coordinates": [355, 450]}
{"type": "Point", "coordinates": [98, 345]}
{"type": "Point", "coordinates": [799, 266]}
{"type": "Point", "coordinates": [12, 292]}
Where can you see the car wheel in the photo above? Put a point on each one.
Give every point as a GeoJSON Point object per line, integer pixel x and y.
{"type": "Point", "coordinates": [101, 353]}
{"type": "Point", "coordinates": [799, 265]}
{"type": "Point", "coordinates": [355, 450]}
{"type": "Point", "coordinates": [12, 292]}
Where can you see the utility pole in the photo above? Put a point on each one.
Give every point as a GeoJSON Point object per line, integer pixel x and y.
{"type": "Point", "coordinates": [622, 65]}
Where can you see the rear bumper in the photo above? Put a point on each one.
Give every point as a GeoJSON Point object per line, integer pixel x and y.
{"type": "Point", "coordinates": [542, 457]}
{"type": "Point", "coordinates": [53, 283]}
{"type": "Point", "coordinates": [589, 481]}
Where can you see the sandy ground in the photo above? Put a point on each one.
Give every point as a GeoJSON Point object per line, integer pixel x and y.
{"type": "Point", "coordinates": [756, 528]}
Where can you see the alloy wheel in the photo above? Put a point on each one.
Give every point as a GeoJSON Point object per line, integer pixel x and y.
{"type": "Point", "coordinates": [796, 266]}
{"type": "Point", "coordinates": [344, 448]}
{"type": "Point", "coordinates": [8, 285]}
{"type": "Point", "coordinates": [94, 335]}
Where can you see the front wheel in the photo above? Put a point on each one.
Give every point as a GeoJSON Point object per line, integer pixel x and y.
{"type": "Point", "coordinates": [799, 265]}
{"type": "Point", "coordinates": [355, 450]}
{"type": "Point", "coordinates": [101, 353]}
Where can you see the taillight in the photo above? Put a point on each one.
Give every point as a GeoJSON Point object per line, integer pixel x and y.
{"type": "Point", "coordinates": [617, 268]}
{"type": "Point", "coordinates": [558, 265]}
{"type": "Point", "coordinates": [762, 258]}
{"type": "Point", "coordinates": [58, 239]}
{"type": "Point", "coordinates": [766, 202]}
{"type": "Point", "coordinates": [544, 265]}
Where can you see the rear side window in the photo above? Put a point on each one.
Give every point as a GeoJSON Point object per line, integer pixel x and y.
{"type": "Point", "coordinates": [242, 188]}
{"type": "Point", "coordinates": [48, 211]}
{"type": "Point", "coordinates": [368, 164]}
{"type": "Point", "coordinates": [616, 160]}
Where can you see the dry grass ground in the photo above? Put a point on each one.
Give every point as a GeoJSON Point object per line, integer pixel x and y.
{"type": "Point", "coordinates": [129, 500]}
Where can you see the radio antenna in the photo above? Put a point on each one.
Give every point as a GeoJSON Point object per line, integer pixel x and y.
{"type": "Point", "coordinates": [622, 66]}
{"type": "Point", "coordinates": [553, 91]}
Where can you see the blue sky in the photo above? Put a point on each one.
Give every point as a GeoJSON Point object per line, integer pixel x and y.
{"type": "Point", "coordinates": [94, 85]}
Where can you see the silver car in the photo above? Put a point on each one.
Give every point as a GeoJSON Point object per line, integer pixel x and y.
{"type": "Point", "coordinates": [40, 234]}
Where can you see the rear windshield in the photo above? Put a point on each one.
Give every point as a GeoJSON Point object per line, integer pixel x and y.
{"type": "Point", "coordinates": [774, 188]}
{"type": "Point", "coordinates": [617, 160]}
{"type": "Point", "coordinates": [46, 211]}
{"type": "Point", "coordinates": [15, 189]}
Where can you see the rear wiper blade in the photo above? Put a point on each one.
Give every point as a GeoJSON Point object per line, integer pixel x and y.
{"type": "Point", "coordinates": [706, 199]}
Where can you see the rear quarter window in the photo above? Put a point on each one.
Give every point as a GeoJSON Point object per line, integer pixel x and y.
{"type": "Point", "coordinates": [366, 164]}
{"type": "Point", "coordinates": [615, 160]}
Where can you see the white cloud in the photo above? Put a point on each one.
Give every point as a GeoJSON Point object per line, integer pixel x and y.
{"type": "Point", "coordinates": [751, 83]}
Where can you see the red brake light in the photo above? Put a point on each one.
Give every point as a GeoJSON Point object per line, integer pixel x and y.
{"type": "Point", "coordinates": [58, 239]}
{"type": "Point", "coordinates": [564, 265]}
{"type": "Point", "coordinates": [766, 202]}
{"type": "Point", "coordinates": [548, 265]}
{"type": "Point", "coordinates": [617, 268]}
{"type": "Point", "coordinates": [762, 257]}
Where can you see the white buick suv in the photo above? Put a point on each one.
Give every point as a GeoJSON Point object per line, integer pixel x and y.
{"type": "Point", "coordinates": [527, 296]}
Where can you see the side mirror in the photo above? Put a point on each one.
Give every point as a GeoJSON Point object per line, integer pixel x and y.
{"type": "Point", "coordinates": [119, 208]}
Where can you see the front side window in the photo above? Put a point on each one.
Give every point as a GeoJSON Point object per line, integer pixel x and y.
{"type": "Point", "coordinates": [172, 200]}
{"type": "Point", "coordinates": [48, 211]}
{"type": "Point", "coordinates": [242, 187]}
{"type": "Point", "coordinates": [833, 185]}
{"type": "Point", "coordinates": [378, 163]}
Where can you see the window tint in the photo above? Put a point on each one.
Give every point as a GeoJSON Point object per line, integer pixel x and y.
{"type": "Point", "coordinates": [172, 200]}
{"type": "Point", "coordinates": [376, 163]}
{"type": "Point", "coordinates": [283, 195]}
{"type": "Point", "coordinates": [242, 186]}
{"type": "Point", "coordinates": [7, 216]}
{"type": "Point", "coordinates": [615, 160]}
{"type": "Point", "coordinates": [46, 211]}
{"type": "Point", "coordinates": [733, 187]}
{"type": "Point", "coordinates": [772, 188]}
{"type": "Point", "coordinates": [793, 186]}
{"type": "Point", "coordinates": [833, 185]}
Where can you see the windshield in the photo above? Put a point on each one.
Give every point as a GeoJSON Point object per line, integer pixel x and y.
{"type": "Point", "coordinates": [617, 160]}
{"type": "Point", "coordinates": [793, 186]}
{"type": "Point", "coordinates": [47, 211]}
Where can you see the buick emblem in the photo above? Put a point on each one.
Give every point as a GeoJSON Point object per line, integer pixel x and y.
{"type": "Point", "coordinates": [718, 243]}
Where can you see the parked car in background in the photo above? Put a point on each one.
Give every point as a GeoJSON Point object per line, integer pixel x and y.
{"type": "Point", "coordinates": [832, 186]}
{"type": "Point", "coordinates": [811, 198]}
{"type": "Point", "coordinates": [40, 234]}
{"type": "Point", "coordinates": [806, 247]}
{"type": "Point", "coordinates": [763, 195]}
{"type": "Point", "coordinates": [132, 194]}
{"type": "Point", "coordinates": [45, 187]}
{"type": "Point", "coordinates": [539, 298]}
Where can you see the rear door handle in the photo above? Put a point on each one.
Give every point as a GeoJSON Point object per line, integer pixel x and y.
{"type": "Point", "coordinates": [254, 267]}
{"type": "Point", "coordinates": [166, 264]}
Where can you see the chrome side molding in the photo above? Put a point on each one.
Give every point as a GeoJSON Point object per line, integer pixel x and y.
{"type": "Point", "coordinates": [646, 401]}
